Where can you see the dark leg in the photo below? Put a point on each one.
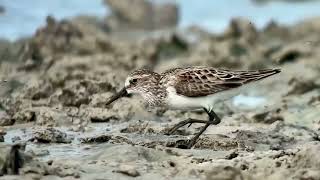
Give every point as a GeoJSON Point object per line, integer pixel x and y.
{"type": "Point", "coordinates": [213, 119]}
{"type": "Point", "coordinates": [183, 123]}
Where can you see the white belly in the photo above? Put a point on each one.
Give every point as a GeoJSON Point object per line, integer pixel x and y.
{"type": "Point", "coordinates": [186, 103]}
{"type": "Point", "coordinates": [176, 101]}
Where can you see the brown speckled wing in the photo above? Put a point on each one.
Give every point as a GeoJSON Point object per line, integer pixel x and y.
{"type": "Point", "coordinates": [203, 81]}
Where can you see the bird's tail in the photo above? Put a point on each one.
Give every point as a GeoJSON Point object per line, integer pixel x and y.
{"type": "Point", "coordinates": [259, 74]}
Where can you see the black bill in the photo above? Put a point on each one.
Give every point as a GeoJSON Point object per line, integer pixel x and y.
{"type": "Point", "coordinates": [123, 92]}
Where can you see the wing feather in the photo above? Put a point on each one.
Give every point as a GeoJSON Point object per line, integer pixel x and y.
{"type": "Point", "coordinates": [203, 81]}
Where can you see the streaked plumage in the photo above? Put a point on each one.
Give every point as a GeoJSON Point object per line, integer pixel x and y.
{"type": "Point", "coordinates": [189, 88]}
{"type": "Point", "coordinates": [204, 81]}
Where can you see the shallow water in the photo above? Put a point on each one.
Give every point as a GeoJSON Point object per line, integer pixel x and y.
{"type": "Point", "coordinates": [46, 151]}
{"type": "Point", "coordinates": [248, 101]}
{"type": "Point", "coordinates": [22, 18]}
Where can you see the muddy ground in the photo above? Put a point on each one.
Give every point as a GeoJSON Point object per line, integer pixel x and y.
{"type": "Point", "coordinates": [54, 85]}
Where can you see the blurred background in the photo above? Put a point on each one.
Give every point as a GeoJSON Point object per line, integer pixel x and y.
{"type": "Point", "coordinates": [60, 60]}
{"type": "Point", "coordinates": [20, 19]}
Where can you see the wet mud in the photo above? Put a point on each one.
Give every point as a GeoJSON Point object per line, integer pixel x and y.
{"type": "Point", "coordinates": [55, 85]}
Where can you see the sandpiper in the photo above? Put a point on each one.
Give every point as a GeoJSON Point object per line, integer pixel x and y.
{"type": "Point", "coordinates": [189, 88]}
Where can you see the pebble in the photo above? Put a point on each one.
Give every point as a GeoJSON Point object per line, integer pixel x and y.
{"type": "Point", "coordinates": [128, 170]}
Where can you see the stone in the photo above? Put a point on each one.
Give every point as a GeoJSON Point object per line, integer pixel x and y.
{"type": "Point", "coordinates": [224, 172]}
{"type": "Point", "coordinates": [5, 119]}
{"type": "Point", "coordinates": [128, 170]}
{"type": "Point", "coordinates": [51, 135]}
{"type": "Point", "coordinates": [147, 15]}
{"type": "Point", "coordinates": [12, 158]}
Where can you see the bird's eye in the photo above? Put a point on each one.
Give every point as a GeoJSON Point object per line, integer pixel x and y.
{"type": "Point", "coordinates": [133, 81]}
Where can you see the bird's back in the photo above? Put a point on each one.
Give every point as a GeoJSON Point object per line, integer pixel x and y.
{"type": "Point", "coordinates": [201, 81]}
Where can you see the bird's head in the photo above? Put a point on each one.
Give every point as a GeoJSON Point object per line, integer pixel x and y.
{"type": "Point", "coordinates": [138, 82]}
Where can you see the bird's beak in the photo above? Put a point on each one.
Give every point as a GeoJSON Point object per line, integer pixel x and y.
{"type": "Point", "coordinates": [123, 92]}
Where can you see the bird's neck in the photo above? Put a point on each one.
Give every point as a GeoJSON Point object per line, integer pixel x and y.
{"type": "Point", "coordinates": [154, 96]}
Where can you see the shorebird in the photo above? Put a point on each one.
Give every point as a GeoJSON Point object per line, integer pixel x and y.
{"type": "Point", "coordinates": [189, 88]}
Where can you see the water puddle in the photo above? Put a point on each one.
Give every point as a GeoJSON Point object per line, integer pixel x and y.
{"type": "Point", "coordinates": [51, 151]}
{"type": "Point", "coordinates": [245, 101]}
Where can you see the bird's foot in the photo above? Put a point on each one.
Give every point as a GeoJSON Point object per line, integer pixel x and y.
{"type": "Point", "coordinates": [192, 142]}
{"type": "Point", "coordinates": [187, 144]}
{"type": "Point", "coordinates": [216, 121]}
{"type": "Point", "coordinates": [185, 122]}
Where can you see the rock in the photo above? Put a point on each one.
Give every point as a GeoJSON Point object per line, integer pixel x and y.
{"type": "Point", "coordinates": [35, 168]}
{"type": "Point", "coordinates": [65, 169]}
{"type": "Point", "coordinates": [51, 135]}
{"type": "Point", "coordinates": [268, 116]}
{"type": "Point", "coordinates": [97, 115]}
{"type": "Point", "coordinates": [2, 134]}
{"type": "Point", "coordinates": [37, 90]}
{"type": "Point", "coordinates": [57, 38]}
{"type": "Point", "coordinates": [122, 110]}
{"type": "Point", "coordinates": [5, 119]}
{"type": "Point", "coordinates": [232, 155]}
{"type": "Point", "coordinates": [275, 139]}
{"type": "Point", "coordinates": [291, 53]}
{"type": "Point", "coordinates": [147, 16]}
{"type": "Point", "coordinates": [307, 27]}
{"type": "Point", "coordinates": [301, 86]}
{"type": "Point", "coordinates": [99, 100]}
{"type": "Point", "coordinates": [77, 94]}
{"type": "Point", "coordinates": [241, 29]}
{"type": "Point", "coordinates": [12, 158]}
{"type": "Point", "coordinates": [165, 15]}
{"type": "Point", "coordinates": [217, 143]}
{"type": "Point", "coordinates": [128, 170]}
{"type": "Point", "coordinates": [274, 30]}
{"type": "Point", "coordinates": [53, 39]}
{"type": "Point", "coordinates": [170, 46]}
{"type": "Point", "coordinates": [44, 116]}
{"type": "Point", "coordinates": [93, 25]}
{"type": "Point", "coordinates": [224, 173]}
{"type": "Point", "coordinates": [71, 98]}
{"type": "Point", "coordinates": [140, 17]}
{"type": "Point", "coordinates": [51, 117]}
{"type": "Point", "coordinates": [5, 49]}
{"type": "Point", "coordinates": [96, 139]}
{"type": "Point", "coordinates": [25, 115]}
{"type": "Point", "coordinates": [138, 127]}
{"type": "Point", "coordinates": [306, 163]}
{"type": "Point", "coordinates": [314, 100]}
